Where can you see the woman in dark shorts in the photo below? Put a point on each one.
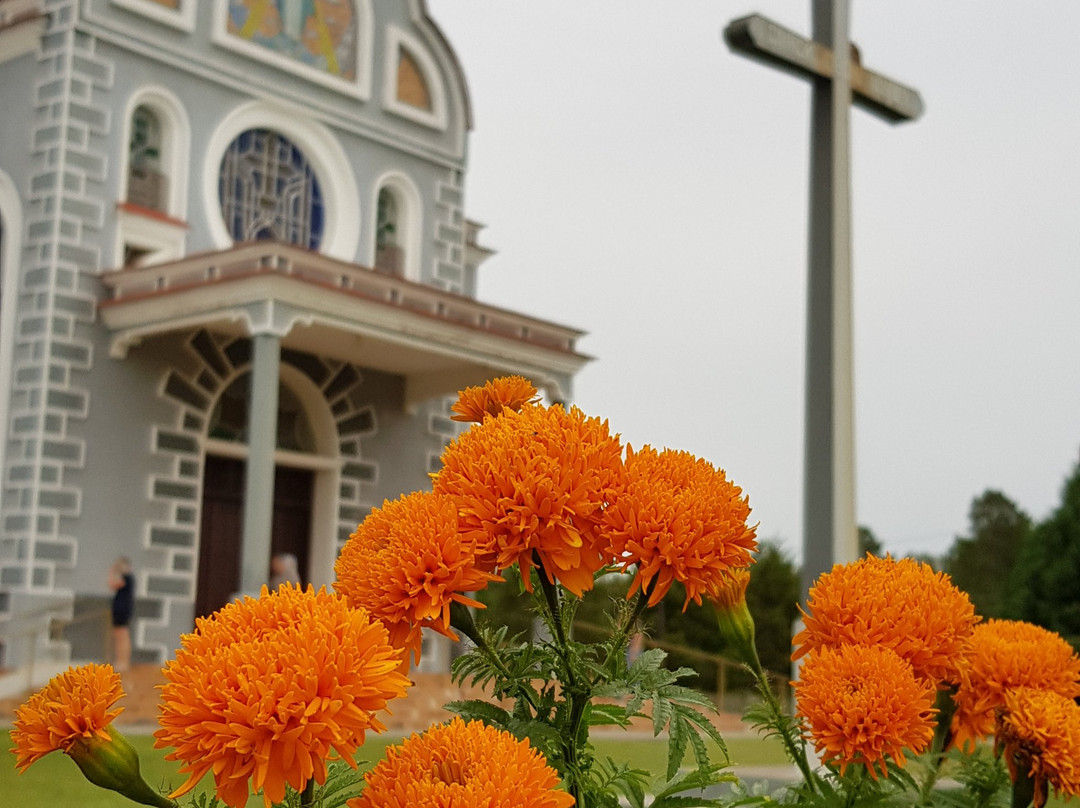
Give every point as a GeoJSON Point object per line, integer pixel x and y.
{"type": "Point", "coordinates": [122, 582]}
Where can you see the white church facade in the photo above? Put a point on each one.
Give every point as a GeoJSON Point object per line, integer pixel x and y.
{"type": "Point", "coordinates": [237, 296]}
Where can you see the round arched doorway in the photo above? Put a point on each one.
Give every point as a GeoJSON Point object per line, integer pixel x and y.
{"type": "Point", "coordinates": [306, 475]}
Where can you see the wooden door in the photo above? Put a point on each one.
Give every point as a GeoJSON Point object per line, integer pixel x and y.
{"type": "Point", "coordinates": [222, 527]}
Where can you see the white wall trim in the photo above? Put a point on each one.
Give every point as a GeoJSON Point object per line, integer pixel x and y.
{"type": "Point", "coordinates": [341, 200]}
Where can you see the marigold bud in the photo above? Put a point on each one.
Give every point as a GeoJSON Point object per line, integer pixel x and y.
{"type": "Point", "coordinates": [733, 617]}
{"type": "Point", "coordinates": [113, 763]}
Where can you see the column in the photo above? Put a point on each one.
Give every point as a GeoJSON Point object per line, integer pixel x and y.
{"type": "Point", "coordinates": [259, 477]}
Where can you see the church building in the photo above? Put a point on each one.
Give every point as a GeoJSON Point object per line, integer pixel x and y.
{"type": "Point", "coordinates": [237, 297]}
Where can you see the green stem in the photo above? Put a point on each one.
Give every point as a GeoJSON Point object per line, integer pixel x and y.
{"type": "Point", "coordinates": [624, 630]}
{"type": "Point", "coordinates": [853, 794]}
{"type": "Point", "coordinates": [942, 738]}
{"type": "Point", "coordinates": [461, 619]}
{"type": "Point", "coordinates": [307, 796]}
{"type": "Point", "coordinates": [796, 749]}
{"type": "Point", "coordinates": [577, 695]}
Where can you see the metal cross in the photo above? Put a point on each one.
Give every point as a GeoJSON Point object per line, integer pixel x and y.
{"type": "Point", "coordinates": [837, 79]}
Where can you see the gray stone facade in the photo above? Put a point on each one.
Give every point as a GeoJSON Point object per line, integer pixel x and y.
{"type": "Point", "coordinates": [126, 311]}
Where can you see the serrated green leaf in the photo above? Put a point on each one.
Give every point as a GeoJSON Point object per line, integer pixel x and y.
{"type": "Point", "coordinates": [478, 710]}
{"type": "Point", "coordinates": [701, 754]}
{"type": "Point", "coordinates": [677, 740]}
{"type": "Point", "coordinates": [661, 714]}
{"type": "Point", "coordinates": [686, 695]}
{"type": "Point", "coordinates": [601, 714]}
{"type": "Point", "coordinates": [703, 723]}
{"type": "Point", "coordinates": [679, 801]}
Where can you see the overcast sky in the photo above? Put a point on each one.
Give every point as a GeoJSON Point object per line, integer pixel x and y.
{"type": "Point", "coordinates": [643, 183]}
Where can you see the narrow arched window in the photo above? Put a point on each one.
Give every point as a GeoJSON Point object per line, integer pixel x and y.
{"type": "Point", "coordinates": [146, 178]}
{"type": "Point", "coordinates": [389, 255]}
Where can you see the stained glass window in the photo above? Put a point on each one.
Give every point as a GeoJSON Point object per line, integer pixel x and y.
{"type": "Point", "coordinates": [268, 190]}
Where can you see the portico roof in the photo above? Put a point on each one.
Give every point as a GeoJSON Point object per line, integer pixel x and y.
{"type": "Point", "coordinates": [439, 341]}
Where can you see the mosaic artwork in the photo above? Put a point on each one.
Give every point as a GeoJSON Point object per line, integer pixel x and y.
{"type": "Point", "coordinates": [318, 33]}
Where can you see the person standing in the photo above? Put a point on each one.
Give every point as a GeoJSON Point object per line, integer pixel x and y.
{"type": "Point", "coordinates": [122, 582]}
{"type": "Point", "coordinates": [284, 568]}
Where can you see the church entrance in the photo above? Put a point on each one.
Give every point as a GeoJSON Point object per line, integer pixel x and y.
{"type": "Point", "coordinates": [222, 524]}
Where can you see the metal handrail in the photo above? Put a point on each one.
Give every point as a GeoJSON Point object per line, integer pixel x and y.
{"type": "Point", "coordinates": [780, 683]}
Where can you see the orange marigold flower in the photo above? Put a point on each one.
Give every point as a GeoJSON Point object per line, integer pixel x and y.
{"type": "Point", "coordinates": [678, 519]}
{"type": "Point", "coordinates": [406, 563]}
{"type": "Point", "coordinates": [78, 703]}
{"type": "Point", "coordinates": [1039, 732]}
{"type": "Point", "coordinates": [863, 703]}
{"type": "Point", "coordinates": [475, 403]}
{"type": "Point", "coordinates": [268, 690]}
{"type": "Point", "coordinates": [1006, 654]}
{"type": "Point", "coordinates": [900, 604]}
{"type": "Point", "coordinates": [462, 765]}
{"type": "Point", "coordinates": [531, 487]}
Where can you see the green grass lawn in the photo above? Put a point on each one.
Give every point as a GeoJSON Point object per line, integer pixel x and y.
{"type": "Point", "coordinates": [56, 782]}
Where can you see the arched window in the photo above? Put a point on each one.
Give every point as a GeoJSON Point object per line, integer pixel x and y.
{"type": "Point", "coordinates": [151, 217]}
{"type": "Point", "coordinates": [146, 178]}
{"type": "Point", "coordinates": [412, 87]}
{"type": "Point", "coordinates": [398, 211]}
{"type": "Point", "coordinates": [229, 419]}
{"type": "Point", "coordinates": [388, 253]}
{"type": "Point", "coordinates": [268, 190]}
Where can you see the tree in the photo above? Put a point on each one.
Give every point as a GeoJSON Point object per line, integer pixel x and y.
{"type": "Point", "coordinates": [773, 597]}
{"type": "Point", "coordinates": [982, 562]}
{"type": "Point", "coordinates": [1044, 587]}
{"type": "Point", "coordinates": [868, 543]}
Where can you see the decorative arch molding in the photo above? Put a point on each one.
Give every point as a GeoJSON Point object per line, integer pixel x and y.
{"type": "Point", "coordinates": [358, 85]}
{"type": "Point", "coordinates": [11, 227]}
{"type": "Point", "coordinates": [329, 391]}
{"type": "Point", "coordinates": [321, 148]}
{"type": "Point", "coordinates": [410, 220]}
{"type": "Point", "coordinates": [399, 41]}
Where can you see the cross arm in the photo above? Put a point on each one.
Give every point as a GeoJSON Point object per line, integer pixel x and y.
{"type": "Point", "coordinates": [765, 41]}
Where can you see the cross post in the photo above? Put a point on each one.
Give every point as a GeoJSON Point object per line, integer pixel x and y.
{"type": "Point", "coordinates": [838, 80]}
